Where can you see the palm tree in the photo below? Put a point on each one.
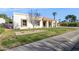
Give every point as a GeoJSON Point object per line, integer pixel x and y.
{"type": "Point", "coordinates": [54, 14]}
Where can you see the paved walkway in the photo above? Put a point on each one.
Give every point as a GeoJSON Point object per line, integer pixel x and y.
{"type": "Point", "coordinates": [64, 42]}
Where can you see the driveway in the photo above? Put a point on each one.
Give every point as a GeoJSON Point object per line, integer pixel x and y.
{"type": "Point", "coordinates": [64, 42]}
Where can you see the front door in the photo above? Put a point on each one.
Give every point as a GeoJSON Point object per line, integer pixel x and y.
{"type": "Point", "coordinates": [44, 23]}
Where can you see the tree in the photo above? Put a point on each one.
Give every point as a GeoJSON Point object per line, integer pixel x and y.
{"type": "Point", "coordinates": [54, 14]}
{"type": "Point", "coordinates": [71, 18]}
{"type": "Point", "coordinates": [36, 15]}
{"type": "Point", "coordinates": [33, 16]}
{"type": "Point", "coordinates": [8, 19]}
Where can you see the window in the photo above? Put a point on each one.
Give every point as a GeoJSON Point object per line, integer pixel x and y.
{"type": "Point", "coordinates": [37, 22]}
{"type": "Point", "coordinates": [24, 22]}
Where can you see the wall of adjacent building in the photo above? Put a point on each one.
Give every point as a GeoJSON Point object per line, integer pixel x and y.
{"type": "Point", "coordinates": [2, 21]}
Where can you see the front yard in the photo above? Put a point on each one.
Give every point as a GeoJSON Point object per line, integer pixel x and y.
{"type": "Point", "coordinates": [9, 39]}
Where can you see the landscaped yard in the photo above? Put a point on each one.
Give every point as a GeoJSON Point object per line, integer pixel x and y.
{"type": "Point", "coordinates": [1, 29]}
{"type": "Point", "coordinates": [10, 40]}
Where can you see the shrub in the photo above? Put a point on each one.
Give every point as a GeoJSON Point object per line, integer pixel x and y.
{"type": "Point", "coordinates": [72, 24]}
{"type": "Point", "coordinates": [9, 26]}
{"type": "Point", "coordinates": [64, 24]}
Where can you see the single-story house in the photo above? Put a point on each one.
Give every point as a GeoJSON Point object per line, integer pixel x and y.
{"type": "Point", "coordinates": [25, 21]}
{"type": "Point", "coordinates": [2, 21]}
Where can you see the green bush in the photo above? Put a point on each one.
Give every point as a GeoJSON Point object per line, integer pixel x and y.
{"type": "Point", "coordinates": [64, 24]}
{"type": "Point", "coordinates": [72, 24]}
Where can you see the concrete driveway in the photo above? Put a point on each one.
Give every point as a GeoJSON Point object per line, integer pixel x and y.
{"type": "Point", "coordinates": [64, 42]}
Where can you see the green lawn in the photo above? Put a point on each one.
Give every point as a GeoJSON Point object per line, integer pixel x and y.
{"type": "Point", "coordinates": [1, 29]}
{"type": "Point", "coordinates": [12, 40]}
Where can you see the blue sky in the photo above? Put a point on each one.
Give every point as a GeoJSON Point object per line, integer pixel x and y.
{"type": "Point", "coordinates": [46, 12]}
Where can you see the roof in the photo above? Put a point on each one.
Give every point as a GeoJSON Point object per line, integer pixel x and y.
{"type": "Point", "coordinates": [45, 18]}
{"type": "Point", "coordinates": [20, 14]}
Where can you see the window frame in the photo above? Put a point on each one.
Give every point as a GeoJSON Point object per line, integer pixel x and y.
{"type": "Point", "coordinates": [22, 22]}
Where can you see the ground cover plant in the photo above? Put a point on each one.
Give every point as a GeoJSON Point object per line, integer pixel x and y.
{"type": "Point", "coordinates": [1, 29]}
{"type": "Point", "coordinates": [11, 40]}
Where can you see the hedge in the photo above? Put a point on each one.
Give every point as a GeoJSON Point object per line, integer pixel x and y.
{"type": "Point", "coordinates": [72, 24]}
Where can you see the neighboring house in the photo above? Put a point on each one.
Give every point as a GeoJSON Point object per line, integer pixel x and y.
{"type": "Point", "coordinates": [24, 21]}
{"type": "Point", "coordinates": [2, 21]}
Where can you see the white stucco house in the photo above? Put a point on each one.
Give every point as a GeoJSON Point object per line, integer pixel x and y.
{"type": "Point", "coordinates": [2, 21]}
{"type": "Point", "coordinates": [25, 21]}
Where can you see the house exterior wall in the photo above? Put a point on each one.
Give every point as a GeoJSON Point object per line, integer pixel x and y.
{"type": "Point", "coordinates": [41, 24]}
{"type": "Point", "coordinates": [17, 21]}
{"type": "Point", "coordinates": [17, 18]}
